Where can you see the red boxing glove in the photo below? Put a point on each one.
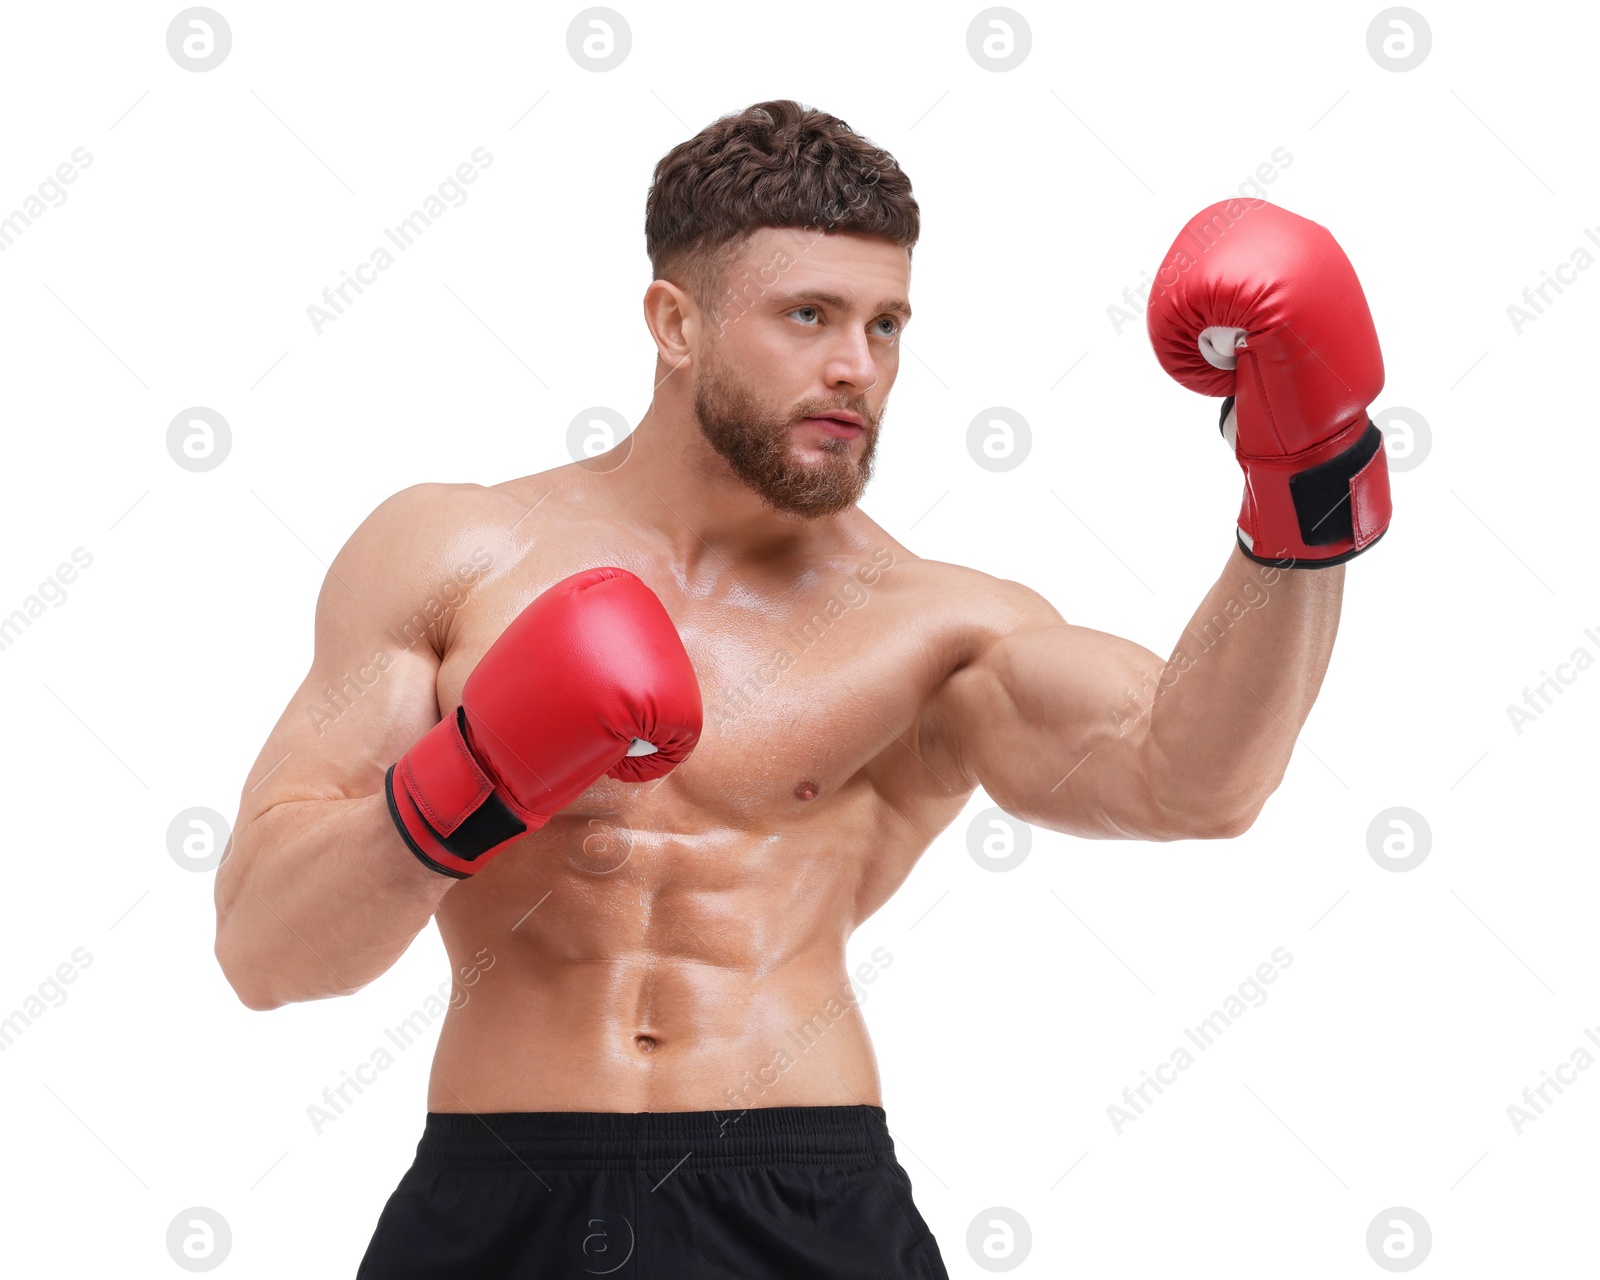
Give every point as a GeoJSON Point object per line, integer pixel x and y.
{"type": "Point", "coordinates": [590, 679]}
{"type": "Point", "coordinates": [1257, 304]}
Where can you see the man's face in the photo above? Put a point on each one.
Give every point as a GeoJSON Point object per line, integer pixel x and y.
{"type": "Point", "coordinates": [809, 326]}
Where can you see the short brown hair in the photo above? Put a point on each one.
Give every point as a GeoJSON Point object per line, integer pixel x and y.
{"type": "Point", "coordinates": [774, 164]}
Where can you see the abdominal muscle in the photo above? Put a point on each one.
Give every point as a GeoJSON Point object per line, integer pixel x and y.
{"type": "Point", "coordinates": [567, 1041]}
{"type": "Point", "coordinates": [667, 983]}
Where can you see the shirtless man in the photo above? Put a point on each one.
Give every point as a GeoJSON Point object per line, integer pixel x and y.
{"type": "Point", "coordinates": [678, 784]}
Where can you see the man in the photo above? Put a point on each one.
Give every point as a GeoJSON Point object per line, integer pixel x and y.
{"type": "Point", "coordinates": [698, 716]}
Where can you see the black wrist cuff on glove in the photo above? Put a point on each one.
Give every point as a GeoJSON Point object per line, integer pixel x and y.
{"type": "Point", "coordinates": [1321, 496]}
{"type": "Point", "coordinates": [490, 824]}
{"type": "Point", "coordinates": [1322, 493]}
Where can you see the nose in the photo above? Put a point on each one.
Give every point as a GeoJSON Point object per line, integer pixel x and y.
{"type": "Point", "coordinates": [850, 364]}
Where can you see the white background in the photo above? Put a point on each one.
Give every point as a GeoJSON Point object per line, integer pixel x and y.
{"type": "Point", "coordinates": [218, 206]}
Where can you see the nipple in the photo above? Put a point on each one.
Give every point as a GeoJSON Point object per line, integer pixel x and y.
{"type": "Point", "coordinates": [806, 790]}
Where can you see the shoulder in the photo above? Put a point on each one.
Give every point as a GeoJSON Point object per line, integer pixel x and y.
{"type": "Point", "coordinates": [416, 555]}
{"type": "Point", "coordinates": [420, 511]}
{"type": "Point", "coordinates": [972, 609]}
{"type": "Point", "coordinates": [419, 524]}
{"type": "Point", "coordinates": [975, 612]}
{"type": "Point", "coordinates": [432, 517]}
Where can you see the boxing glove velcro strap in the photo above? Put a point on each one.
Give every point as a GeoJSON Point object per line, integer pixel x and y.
{"type": "Point", "coordinates": [1344, 499]}
{"type": "Point", "coordinates": [446, 800]}
{"type": "Point", "coordinates": [443, 776]}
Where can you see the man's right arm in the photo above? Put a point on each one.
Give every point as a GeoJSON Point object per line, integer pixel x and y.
{"type": "Point", "coordinates": [318, 894]}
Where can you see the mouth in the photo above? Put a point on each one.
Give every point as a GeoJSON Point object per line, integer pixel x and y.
{"type": "Point", "coordinates": [846, 426]}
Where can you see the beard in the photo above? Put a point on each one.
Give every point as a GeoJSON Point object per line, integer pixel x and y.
{"type": "Point", "coordinates": [756, 441]}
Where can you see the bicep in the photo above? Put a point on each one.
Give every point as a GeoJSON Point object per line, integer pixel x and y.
{"type": "Point", "coordinates": [369, 693]}
{"type": "Point", "coordinates": [1052, 721]}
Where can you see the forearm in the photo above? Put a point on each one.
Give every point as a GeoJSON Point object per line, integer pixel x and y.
{"type": "Point", "coordinates": [1227, 706]}
{"type": "Point", "coordinates": [327, 898]}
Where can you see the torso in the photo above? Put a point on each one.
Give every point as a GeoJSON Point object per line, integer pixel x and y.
{"type": "Point", "coordinates": [680, 945]}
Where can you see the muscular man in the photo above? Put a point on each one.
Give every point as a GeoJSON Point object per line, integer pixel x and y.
{"type": "Point", "coordinates": [696, 716]}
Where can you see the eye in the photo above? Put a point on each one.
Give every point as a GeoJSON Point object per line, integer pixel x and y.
{"type": "Point", "coordinates": [890, 320]}
{"type": "Point", "coordinates": [798, 310]}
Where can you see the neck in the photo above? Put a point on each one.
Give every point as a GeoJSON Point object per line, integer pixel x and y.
{"type": "Point", "coordinates": [667, 477]}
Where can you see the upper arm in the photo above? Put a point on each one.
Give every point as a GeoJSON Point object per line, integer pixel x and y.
{"type": "Point", "coordinates": [1052, 719]}
{"type": "Point", "coordinates": [369, 694]}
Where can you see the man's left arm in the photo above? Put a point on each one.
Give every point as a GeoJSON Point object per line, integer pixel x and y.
{"type": "Point", "coordinates": [1087, 733]}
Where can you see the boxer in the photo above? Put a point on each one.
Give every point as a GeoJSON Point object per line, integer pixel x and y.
{"type": "Point", "coordinates": [650, 735]}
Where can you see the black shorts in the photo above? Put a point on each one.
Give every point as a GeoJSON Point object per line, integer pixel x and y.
{"type": "Point", "coordinates": [678, 1195]}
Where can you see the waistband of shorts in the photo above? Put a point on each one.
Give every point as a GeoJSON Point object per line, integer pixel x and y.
{"type": "Point", "coordinates": [588, 1141]}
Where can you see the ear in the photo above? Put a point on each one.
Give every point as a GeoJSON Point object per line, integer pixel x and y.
{"type": "Point", "coordinates": [674, 321]}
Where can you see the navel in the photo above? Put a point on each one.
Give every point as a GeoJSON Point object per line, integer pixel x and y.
{"type": "Point", "coordinates": [645, 1044]}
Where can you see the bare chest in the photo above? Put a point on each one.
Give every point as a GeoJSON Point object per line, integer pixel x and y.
{"type": "Point", "coordinates": [811, 695]}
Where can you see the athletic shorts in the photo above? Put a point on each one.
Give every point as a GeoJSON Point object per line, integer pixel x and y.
{"type": "Point", "coordinates": [792, 1192]}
